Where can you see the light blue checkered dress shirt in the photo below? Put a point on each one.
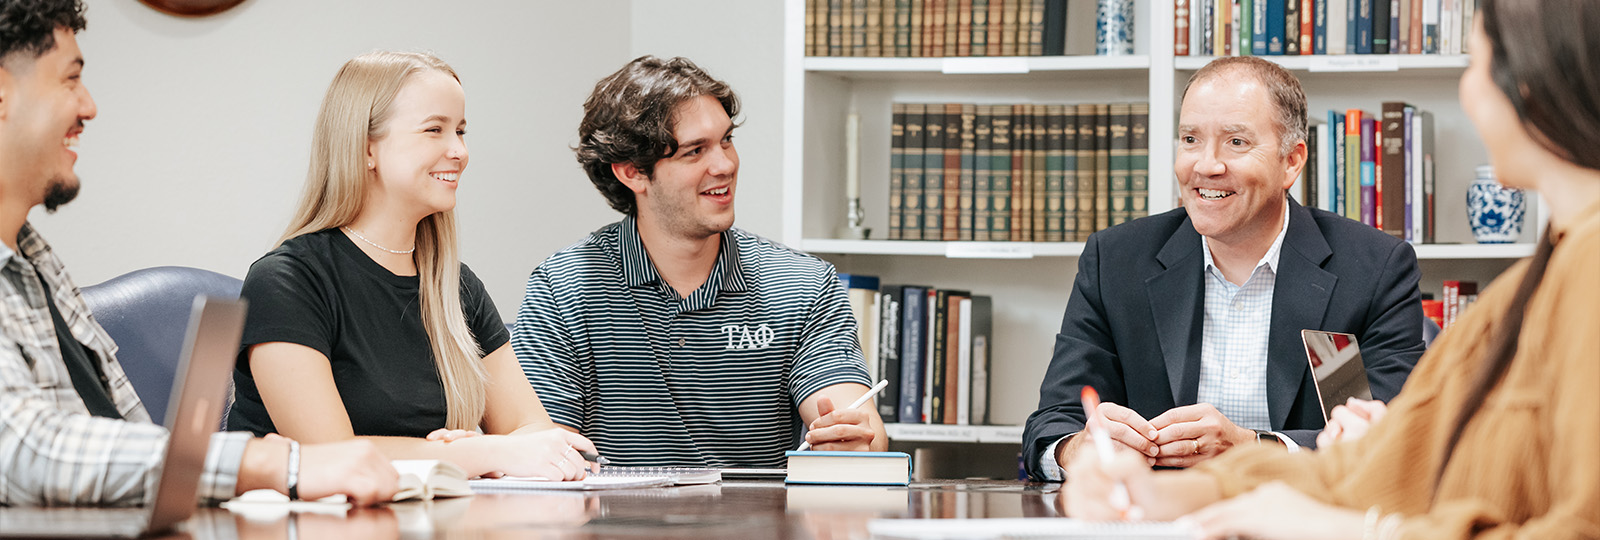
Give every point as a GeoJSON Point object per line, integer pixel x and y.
{"type": "Point", "coordinates": [1233, 350]}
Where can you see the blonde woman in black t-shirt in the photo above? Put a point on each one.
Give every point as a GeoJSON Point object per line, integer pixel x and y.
{"type": "Point", "coordinates": [363, 322]}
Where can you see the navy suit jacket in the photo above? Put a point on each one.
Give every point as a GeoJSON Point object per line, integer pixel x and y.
{"type": "Point", "coordinates": [1132, 328]}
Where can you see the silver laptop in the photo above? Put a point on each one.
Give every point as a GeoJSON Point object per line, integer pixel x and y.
{"type": "Point", "coordinates": [199, 393]}
{"type": "Point", "coordinates": [1336, 368]}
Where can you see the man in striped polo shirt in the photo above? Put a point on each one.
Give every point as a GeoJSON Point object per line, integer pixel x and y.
{"type": "Point", "coordinates": [670, 338]}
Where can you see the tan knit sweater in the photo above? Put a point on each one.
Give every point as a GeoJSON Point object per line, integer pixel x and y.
{"type": "Point", "coordinates": [1527, 466]}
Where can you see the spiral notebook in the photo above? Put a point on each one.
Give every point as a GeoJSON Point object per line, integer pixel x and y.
{"type": "Point", "coordinates": [682, 476]}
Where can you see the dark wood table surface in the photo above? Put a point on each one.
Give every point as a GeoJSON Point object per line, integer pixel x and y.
{"type": "Point", "coordinates": [731, 509]}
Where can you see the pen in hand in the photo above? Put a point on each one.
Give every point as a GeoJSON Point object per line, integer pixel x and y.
{"type": "Point", "coordinates": [859, 402]}
{"type": "Point", "coordinates": [1102, 446]}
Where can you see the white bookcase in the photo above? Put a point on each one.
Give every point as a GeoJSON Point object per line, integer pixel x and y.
{"type": "Point", "coordinates": [1031, 281]}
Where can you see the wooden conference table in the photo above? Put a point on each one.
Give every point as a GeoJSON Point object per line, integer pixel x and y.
{"type": "Point", "coordinates": [732, 509]}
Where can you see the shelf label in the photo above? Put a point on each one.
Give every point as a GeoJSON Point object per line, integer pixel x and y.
{"type": "Point", "coordinates": [985, 65]}
{"type": "Point", "coordinates": [1354, 63]}
{"type": "Point", "coordinates": [932, 432]}
{"type": "Point", "coordinates": [988, 250]}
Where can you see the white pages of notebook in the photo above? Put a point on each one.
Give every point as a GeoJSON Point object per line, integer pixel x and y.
{"type": "Point", "coordinates": [970, 529]}
{"type": "Point", "coordinates": [515, 483]}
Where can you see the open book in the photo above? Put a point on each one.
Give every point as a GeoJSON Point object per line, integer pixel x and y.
{"type": "Point", "coordinates": [420, 480]}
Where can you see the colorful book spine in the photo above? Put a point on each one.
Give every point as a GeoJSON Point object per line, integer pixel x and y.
{"type": "Point", "coordinates": [1180, 28]}
{"type": "Point", "coordinates": [1258, 27]}
{"type": "Point", "coordinates": [1244, 12]}
{"type": "Point", "coordinates": [1413, 178]}
{"type": "Point", "coordinates": [1276, 26]}
{"type": "Point", "coordinates": [1008, 28]}
{"type": "Point", "coordinates": [1393, 180]}
{"type": "Point", "coordinates": [913, 350]}
{"type": "Point", "coordinates": [997, 9]}
{"type": "Point", "coordinates": [1069, 173]}
{"type": "Point", "coordinates": [1319, 27]}
{"type": "Point", "coordinates": [938, 330]}
{"type": "Point", "coordinates": [1139, 158]}
{"type": "Point", "coordinates": [873, 28]}
{"type": "Point", "coordinates": [1307, 27]}
{"type": "Point", "coordinates": [1401, 37]}
{"type": "Point", "coordinates": [1021, 180]}
{"type": "Point", "coordinates": [916, 143]}
{"type": "Point", "coordinates": [915, 27]}
{"type": "Point", "coordinates": [1087, 119]}
{"type": "Point", "coordinates": [963, 29]}
{"type": "Point", "coordinates": [952, 28]}
{"type": "Point", "coordinates": [933, 174]}
{"type": "Point", "coordinates": [1414, 33]}
{"type": "Point", "coordinates": [890, 299]}
{"type": "Point", "coordinates": [1039, 189]}
{"type": "Point", "coordinates": [1326, 176]}
{"type": "Point", "coordinates": [1054, 181]}
{"type": "Point", "coordinates": [902, 28]}
{"type": "Point", "coordinates": [1352, 159]}
{"type": "Point", "coordinates": [1337, 26]}
{"type": "Point", "coordinates": [1380, 26]}
{"type": "Point", "coordinates": [1120, 188]}
{"type": "Point", "coordinates": [950, 204]}
{"type": "Point", "coordinates": [980, 27]}
{"type": "Point", "coordinates": [1036, 28]}
{"type": "Point", "coordinates": [1291, 27]}
{"type": "Point", "coordinates": [1352, 25]}
{"type": "Point", "coordinates": [1364, 25]}
{"type": "Point", "coordinates": [967, 184]}
{"type": "Point", "coordinates": [836, 27]}
{"type": "Point", "coordinates": [1425, 124]}
{"type": "Point", "coordinates": [811, 27]}
{"type": "Point", "coordinates": [1221, 45]}
{"type": "Point", "coordinates": [1102, 167]}
{"type": "Point", "coordinates": [1335, 194]}
{"type": "Point", "coordinates": [1055, 28]}
{"type": "Point", "coordinates": [982, 194]}
{"type": "Point", "coordinates": [1369, 185]}
{"type": "Point", "coordinates": [1000, 175]}
{"type": "Point", "coordinates": [1430, 27]}
{"type": "Point", "coordinates": [897, 169]}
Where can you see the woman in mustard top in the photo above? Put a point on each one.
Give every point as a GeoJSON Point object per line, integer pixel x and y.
{"type": "Point", "coordinates": [1497, 432]}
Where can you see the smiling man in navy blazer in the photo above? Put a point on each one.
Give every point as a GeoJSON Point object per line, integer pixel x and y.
{"type": "Point", "coordinates": [1188, 323]}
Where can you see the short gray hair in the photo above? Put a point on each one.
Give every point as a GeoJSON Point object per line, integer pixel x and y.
{"type": "Point", "coordinates": [1287, 97]}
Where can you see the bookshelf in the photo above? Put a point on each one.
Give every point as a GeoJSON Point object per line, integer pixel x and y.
{"type": "Point", "coordinates": [1031, 281]}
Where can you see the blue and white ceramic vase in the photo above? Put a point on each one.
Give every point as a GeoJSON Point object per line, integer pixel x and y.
{"type": "Point", "coordinates": [1493, 210]}
{"type": "Point", "coordinates": [1113, 28]}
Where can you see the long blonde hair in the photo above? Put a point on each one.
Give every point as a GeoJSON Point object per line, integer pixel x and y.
{"type": "Point", "coordinates": [354, 112]}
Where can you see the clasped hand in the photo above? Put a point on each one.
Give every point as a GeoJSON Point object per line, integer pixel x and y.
{"type": "Point", "coordinates": [1181, 437]}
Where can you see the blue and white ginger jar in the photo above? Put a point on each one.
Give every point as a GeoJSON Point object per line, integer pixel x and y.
{"type": "Point", "coordinates": [1494, 211]}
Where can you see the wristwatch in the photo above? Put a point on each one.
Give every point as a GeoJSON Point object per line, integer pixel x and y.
{"type": "Point", "coordinates": [1263, 435]}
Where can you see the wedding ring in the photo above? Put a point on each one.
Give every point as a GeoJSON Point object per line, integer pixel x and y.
{"type": "Point", "coordinates": [1197, 448]}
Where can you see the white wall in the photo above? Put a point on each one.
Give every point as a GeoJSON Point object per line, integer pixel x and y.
{"type": "Point", "coordinates": [740, 42]}
{"type": "Point", "coordinates": [199, 152]}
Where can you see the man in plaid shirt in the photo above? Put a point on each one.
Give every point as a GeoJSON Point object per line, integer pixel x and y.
{"type": "Point", "coordinates": [72, 431]}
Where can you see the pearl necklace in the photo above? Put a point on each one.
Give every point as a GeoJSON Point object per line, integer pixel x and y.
{"type": "Point", "coordinates": [375, 244]}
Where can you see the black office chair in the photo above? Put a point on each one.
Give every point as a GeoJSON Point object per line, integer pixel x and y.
{"type": "Point", "coordinates": [146, 312]}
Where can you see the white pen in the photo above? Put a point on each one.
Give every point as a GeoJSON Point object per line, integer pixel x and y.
{"type": "Point", "coordinates": [859, 402]}
{"type": "Point", "coordinates": [1102, 445]}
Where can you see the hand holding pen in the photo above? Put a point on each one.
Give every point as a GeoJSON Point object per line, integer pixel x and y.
{"type": "Point", "coordinates": [857, 404]}
{"type": "Point", "coordinates": [1088, 475]}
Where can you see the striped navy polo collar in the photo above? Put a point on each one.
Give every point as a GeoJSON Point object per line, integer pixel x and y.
{"type": "Point", "coordinates": [727, 274]}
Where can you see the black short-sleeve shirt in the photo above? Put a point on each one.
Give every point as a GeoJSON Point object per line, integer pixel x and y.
{"type": "Point", "coordinates": [321, 291]}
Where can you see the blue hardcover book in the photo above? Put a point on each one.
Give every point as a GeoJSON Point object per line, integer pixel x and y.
{"type": "Point", "coordinates": [1275, 28]}
{"type": "Point", "coordinates": [913, 351]}
{"type": "Point", "coordinates": [1319, 22]}
{"type": "Point", "coordinates": [1335, 202]}
{"type": "Point", "coordinates": [852, 468]}
{"type": "Point", "coordinates": [1350, 8]}
{"type": "Point", "coordinates": [1364, 26]}
{"type": "Point", "coordinates": [858, 281]}
{"type": "Point", "coordinates": [1258, 27]}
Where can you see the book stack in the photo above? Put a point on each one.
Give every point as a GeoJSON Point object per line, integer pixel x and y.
{"type": "Point", "coordinates": [1303, 27]}
{"type": "Point", "coordinates": [1374, 169]}
{"type": "Point", "coordinates": [1017, 173]}
{"type": "Point", "coordinates": [936, 28]}
{"type": "Point", "coordinates": [933, 346]}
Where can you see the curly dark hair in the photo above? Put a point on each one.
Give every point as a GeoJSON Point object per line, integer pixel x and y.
{"type": "Point", "coordinates": [629, 119]}
{"type": "Point", "coordinates": [29, 26]}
